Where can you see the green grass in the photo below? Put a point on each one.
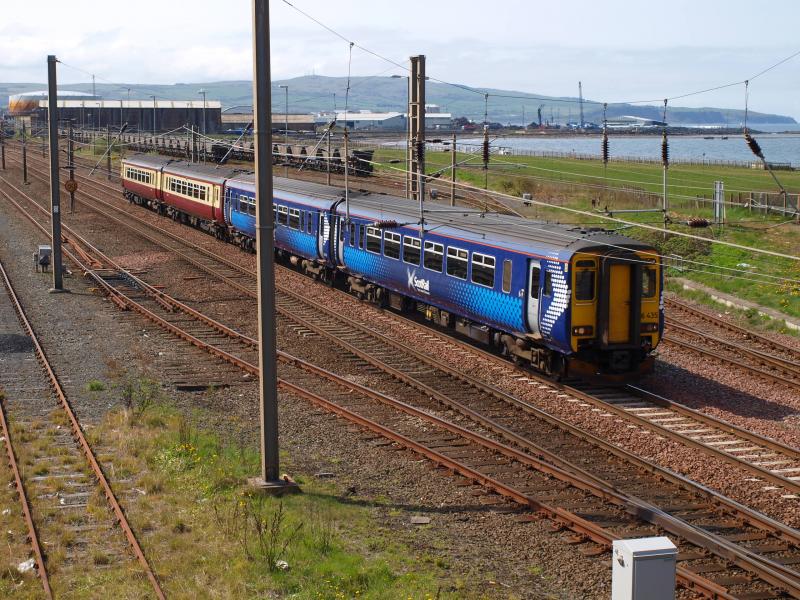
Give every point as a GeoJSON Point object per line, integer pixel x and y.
{"type": "Point", "coordinates": [198, 523]}
{"type": "Point", "coordinates": [95, 386]}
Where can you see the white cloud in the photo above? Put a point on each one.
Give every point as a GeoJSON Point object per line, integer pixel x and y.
{"type": "Point", "coordinates": [620, 50]}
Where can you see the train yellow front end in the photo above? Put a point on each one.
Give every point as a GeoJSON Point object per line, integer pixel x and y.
{"type": "Point", "coordinates": [616, 311]}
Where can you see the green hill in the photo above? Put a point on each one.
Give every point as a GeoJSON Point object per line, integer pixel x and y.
{"type": "Point", "coordinates": [315, 93]}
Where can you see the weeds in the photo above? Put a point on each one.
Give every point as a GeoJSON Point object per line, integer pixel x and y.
{"type": "Point", "coordinates": [95, 386]}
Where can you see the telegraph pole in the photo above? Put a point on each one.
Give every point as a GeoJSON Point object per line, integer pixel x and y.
{"type": "Point", "coordinates": [24, 156]}
{"type": "Point", "coordinates": [416, 133]}
{"type": "Point", "coordinates": [2, 148]}
{"type": "Point", "coordinates": [71, 162]}
{"type": "Point", "coordinates": [328, 166]}
{"type": "Point", "coordinates": [453, 171]}
{"type": "Point", "coordinates": [270, 479]}
{"type": "Point", "coordinates": [108, 151]}
{"type": "Point", "coordinates": [55, 198]}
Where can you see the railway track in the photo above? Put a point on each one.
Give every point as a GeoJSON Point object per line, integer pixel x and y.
{"type": "Point", "coordinates": [60, 483]}
{"type": "Point", "coordinates": [757, 538]}
{"type": "Point", "coordinates": [762, 342]}
{"type": "Point", "coordinates": [758, 362]}
{"type": "Point", "coordinates": [770, 463]}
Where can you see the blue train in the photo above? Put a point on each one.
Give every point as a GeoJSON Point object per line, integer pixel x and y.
{"type": "Point", "coordinates": [560, 298]}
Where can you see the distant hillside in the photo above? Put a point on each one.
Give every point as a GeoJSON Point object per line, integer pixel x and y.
{"type": "Point", "coordinates": [316, 93]}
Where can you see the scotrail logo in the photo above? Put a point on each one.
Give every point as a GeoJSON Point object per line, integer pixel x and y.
{"type": "Point", "coordinates": [417, 283]}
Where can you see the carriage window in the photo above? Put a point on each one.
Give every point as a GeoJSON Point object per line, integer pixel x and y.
{"type": "Point", "coordinates": [411, 250]}
{"type": "Point", "coordinates": [283, 214]}
{"type": "Point", "coordinates": [373, 240]}
{"type": "Point", "coordinates": [309, 222]}
{"type": "Point", "coordinates": [251, 206]}
{"type": "Point", "coordinates": [294, 218]}
{"type": "Point", "coordinates": [352, 234]}
{"type": "Point", "coordinates": [483, 269]}
{"type": "Point", "coordinates": [584, 284]}
{"type": "Point", "coordinates": [391, 244]}
{"type": "Point", "coordinates": [535, 276]}
{"type": "Point", "coordinates": [361, 236]}
{"type": "Point", "coordinates": [434, 256]}
{"type": "Point", "coordinates": [341, 230]}
{"type": "Point", "coordinates": [507, 276]}
{"type": "Point", "coordinates": [547, 289]}
{"type": "Point", "coordinates": [648, 282]}
{"type": "Point", "coordinates": [457, 262]}
{"type": "Point", "coordinates": [302, 220]}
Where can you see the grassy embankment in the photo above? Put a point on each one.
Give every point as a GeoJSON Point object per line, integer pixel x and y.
{"type": "Point", "coordinates": [587, 185]}
{"type": "Point", "coordinates": [207, 535]}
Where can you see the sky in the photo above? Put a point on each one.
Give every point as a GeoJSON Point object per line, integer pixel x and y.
{"type": "Point", "coordinates": [620, 50]}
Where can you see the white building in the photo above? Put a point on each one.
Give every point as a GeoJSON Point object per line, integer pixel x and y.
{"type": "Point", "coordinates": [365, 120]}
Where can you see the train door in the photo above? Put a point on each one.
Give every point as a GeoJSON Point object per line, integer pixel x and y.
{"type": "Point", "coordinates": [323, 235]}
{"type": "Point", "coordinates": [534, 278]}
{"type": "Point", "coordinates": [619, 303]}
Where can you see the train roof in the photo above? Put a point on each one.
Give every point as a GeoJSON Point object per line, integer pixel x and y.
{"type": "Point", "coordinates": [174, 166]}
{"type": "Point", "coordinates": [510, 231]}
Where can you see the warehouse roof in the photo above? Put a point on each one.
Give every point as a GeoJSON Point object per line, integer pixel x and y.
{"type": "Point", "coordinates": [210, 104]}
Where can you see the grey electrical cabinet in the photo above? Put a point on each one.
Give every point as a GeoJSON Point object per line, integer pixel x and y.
{"type": "Point", "coordinates": [643, 569]}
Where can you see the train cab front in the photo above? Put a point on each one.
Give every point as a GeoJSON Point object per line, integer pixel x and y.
{"type": "Point", "coordinates": [616, 320]}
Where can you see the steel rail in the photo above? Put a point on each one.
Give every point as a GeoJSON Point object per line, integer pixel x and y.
{"type": "Point", "coordinates": [710, 421]}
{"type": "Point", "coordinates": [787, 367]}
{"type": "Point", "coordinates": [646, 509]}
{"type": "Point", "coordinates": [738, 329]}
{"type": "Point", "coordinates": [758, 355]}
{"type": "Point", "coordinates": [33, 537]}
{"type": "Point", "coordinates": [83, 444]}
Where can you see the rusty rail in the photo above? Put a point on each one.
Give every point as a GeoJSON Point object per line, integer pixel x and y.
{"type": "Point", "coordinates": [83, 442]}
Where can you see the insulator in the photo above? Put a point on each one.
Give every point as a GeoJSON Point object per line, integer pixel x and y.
{"type": "Point", "coordinates": [605, 147]}
{"type": "Point", "coordinates": [698, 222]}
{"type": "Point", "coordinates": [485, 152]}
{"type": "Point", "coordinates": [664, 150]}
{"type": "Point", "coordinates": [754, 147]}
{"type": "Point", "coordinates": [386, 224]}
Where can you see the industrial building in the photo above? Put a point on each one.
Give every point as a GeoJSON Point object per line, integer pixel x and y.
{"type": "Point", "coordinates": [365, 120]}
{"type": "Point", "coordinates": [142, 115]}
{"type": "Point", "coordinates": [237, 121]}
{"type": "Point", "coordinates": [27, 104]}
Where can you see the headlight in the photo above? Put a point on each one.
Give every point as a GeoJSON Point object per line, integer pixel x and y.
{"type": "Point", "coordinates": [582, 330]}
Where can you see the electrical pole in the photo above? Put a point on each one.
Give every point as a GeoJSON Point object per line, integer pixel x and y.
{"type": "Point", "coordinates": [108, 151]}
{"type": "Point", "coordinates": [453, 171]}
{"type": "Point", "coordinates": [55, 198]}
{"type": "Point", "coordinates": [328, 166]}
{"type": "Point", "coordinates": [204, 110]}
{"type": "Point", "coordinates": [154, 114]}
{"type": "Point", "coordinates": [485, 152]}
{"type": "Point", "coordinates": [71, 167]}
{"type": "Point", "coordinates": [416, 133]}
{"type": "Point", "coordinates": [285, 88]}
{"type": "Point", "coordinates": [267, 345]}
{"type": "Point", "coordinates": [665, 162]}
{"type": "Point", "coordinates": [24, 156]}
{"type": "Point", "coordinates": [2, 148]}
